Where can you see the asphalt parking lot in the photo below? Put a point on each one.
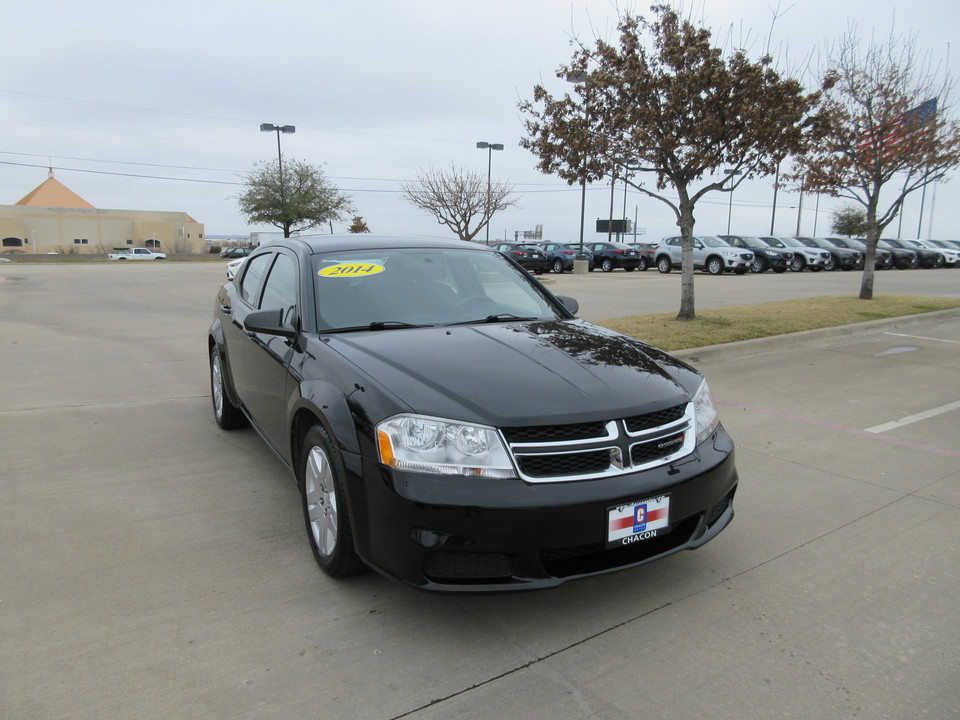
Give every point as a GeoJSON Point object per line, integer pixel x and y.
{"type": "Point", "coordinates": [153, 566]}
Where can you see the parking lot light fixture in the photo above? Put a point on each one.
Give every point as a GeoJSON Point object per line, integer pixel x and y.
{"type": "Point", "coordinates": [286, 130]}
{"type": "Point", "coordinates": [730, 174]}
{"type": "Point", "coordinates": [489, 147]}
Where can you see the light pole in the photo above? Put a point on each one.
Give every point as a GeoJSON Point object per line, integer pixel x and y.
{"type": "Point", "coordinates": [580, 265]}
{"type": "Point", "coordinates": [489, 147]}
{"type": "Point", "coordinates": [730, 174]}
{"type": "Point", "coordinates": [286, 130]}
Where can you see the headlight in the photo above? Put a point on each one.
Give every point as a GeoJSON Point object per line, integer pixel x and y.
{"type": "Point", "coordinates": [707, 418]}
{"type": "Point", "coordinates": [417, 443]}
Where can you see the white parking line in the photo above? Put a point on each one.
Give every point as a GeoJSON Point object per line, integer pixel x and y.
{"type": "Point", "coordinates": [914, 418]}
{"type": "Point", "coordinates": [921, 337]}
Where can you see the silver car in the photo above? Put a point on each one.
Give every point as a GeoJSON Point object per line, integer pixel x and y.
{"type": "Point", "coordinates": [710, 254]}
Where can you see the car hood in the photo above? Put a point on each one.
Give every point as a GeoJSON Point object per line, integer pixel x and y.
{"type": "Point", "coordinates": [519, 373]}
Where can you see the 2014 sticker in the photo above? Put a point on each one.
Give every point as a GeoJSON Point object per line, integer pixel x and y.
{"type": "Point", "coordinates": [352, 270]}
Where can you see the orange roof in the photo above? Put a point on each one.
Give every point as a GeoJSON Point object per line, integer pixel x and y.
{"type": "Point", "coordinates": [53, 193]}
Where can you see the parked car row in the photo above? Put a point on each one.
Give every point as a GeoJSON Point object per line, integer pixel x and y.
{"type": "Point", "coordinates": [738, 254]}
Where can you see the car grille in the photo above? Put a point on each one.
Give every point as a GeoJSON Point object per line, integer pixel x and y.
{"type": "Point", "coordinates": [580, 451]}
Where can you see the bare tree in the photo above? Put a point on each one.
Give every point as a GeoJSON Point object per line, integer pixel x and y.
{"type": "Point", "coordinates": [459, 198]}
{"type": "Point", "coordinates": [887, 133]}
{"type": "Point", "coordinates": [670, 103]}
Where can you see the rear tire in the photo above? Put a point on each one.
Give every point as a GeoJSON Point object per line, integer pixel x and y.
{"type": "Point", "coordinates": [663, 264]}
{"type": "Point", "coordinates": [227, 415]}
{"type": "Point", "coordinates": [321, 476]}
{"type": "Point", "coordinates": [759, 264]}
{"type": "Point", "coordinates": [558, 266]}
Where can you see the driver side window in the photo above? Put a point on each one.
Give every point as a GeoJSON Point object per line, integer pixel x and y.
{"type": "Point", "coordinates": [252, 279]}
{"type": "Point", "coordinates": [280, 290]}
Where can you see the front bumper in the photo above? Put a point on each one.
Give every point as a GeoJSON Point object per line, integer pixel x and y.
{"type": "Point", "coordinates": [459, 534]}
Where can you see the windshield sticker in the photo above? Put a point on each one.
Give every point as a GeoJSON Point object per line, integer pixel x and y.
{"type": "Point", "coordinates": [351, 270]}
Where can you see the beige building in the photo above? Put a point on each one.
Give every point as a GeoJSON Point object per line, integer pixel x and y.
{"type": "Point", "coordinates": [54, 219]}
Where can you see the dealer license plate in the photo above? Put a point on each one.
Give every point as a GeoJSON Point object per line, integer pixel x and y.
{"type": "Point", "coordinates": [638, 521]}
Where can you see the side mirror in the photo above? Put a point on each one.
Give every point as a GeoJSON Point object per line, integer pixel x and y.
{"type": "Point", "coordinates": [269, 322]}
{"type": "Point", "coordinates": [569, 303]}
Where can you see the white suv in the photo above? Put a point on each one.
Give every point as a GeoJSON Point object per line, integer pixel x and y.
{"type": "Point", "coordinates": [710, 254]}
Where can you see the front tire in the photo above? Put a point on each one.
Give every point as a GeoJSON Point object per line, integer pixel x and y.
{"type": "Point", "coordinates": [606, 265]}
{"type": "Point", "coordinates": [227, 415]}
{"type": "Point", "coordinates": [715, 266]}
{"type": "Point", "coordinates": [321, 477]}
{"type": "Point", "coordinates": [558, 266]}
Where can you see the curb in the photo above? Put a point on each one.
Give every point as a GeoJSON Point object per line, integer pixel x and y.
{"type": "Point", "coordinates": [755, 346]}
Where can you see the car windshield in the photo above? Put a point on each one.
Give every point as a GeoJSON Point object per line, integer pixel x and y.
{"type": "Point", "coordinates": [711, 241]}
{"type": "Point", "coordinates": [772, 242]}
{"type": "Point", "coordinates": [396, 288]}
{"type": "Point", "coordinates": [792, 242]}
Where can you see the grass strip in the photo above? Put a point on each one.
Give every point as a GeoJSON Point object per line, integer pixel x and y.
{"type": "Point", "coordinates": [724, 325]}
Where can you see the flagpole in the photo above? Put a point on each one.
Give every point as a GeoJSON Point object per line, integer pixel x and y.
{"type": "Point", "coordinates": [923, 197]}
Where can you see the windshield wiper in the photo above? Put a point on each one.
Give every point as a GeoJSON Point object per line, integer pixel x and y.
{"type": "Point", "coordinates": [499, 317]}
{"type": "Point", "coordinates": [376, 325]}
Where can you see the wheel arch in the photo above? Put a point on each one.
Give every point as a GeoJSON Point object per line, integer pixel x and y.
{"type": "Point", "coordinates": [216, 341]}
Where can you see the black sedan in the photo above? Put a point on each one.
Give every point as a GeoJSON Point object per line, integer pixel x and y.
{"type": "Point", "coordinates": [764, 257]}
{"type": "Point", "coordinates": [410, 385]}
{"type": "Point", "coordinates": [532, 257]}
{"type": "Point", "coordinates": [611, 255]}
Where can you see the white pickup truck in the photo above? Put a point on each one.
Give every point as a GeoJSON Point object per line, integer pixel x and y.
{"type": "Point", "coordinates": [135, 254]}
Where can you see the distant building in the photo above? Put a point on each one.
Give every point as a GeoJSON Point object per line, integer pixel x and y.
{"type": "Point", "coordinates": [54, 219]}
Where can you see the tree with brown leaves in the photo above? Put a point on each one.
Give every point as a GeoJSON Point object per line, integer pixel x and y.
{"type": "Point", "coordinates": [670, 103]}
{"type": "Point", "coordinates": [887, 132]}
{"type": "Point", "coordinates": [359, 225]}
{"type": "Point", "coordinates": [459, 198]}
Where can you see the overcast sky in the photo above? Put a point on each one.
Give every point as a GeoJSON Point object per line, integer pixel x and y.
{"type": "Point", "coordinates": [157, 106]}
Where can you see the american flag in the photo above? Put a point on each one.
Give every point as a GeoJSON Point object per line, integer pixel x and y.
{"type": "Point", "coordinates": [889, 138]}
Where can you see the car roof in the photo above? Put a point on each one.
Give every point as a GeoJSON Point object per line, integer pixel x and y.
{"type": "Point", "coordinates": [365, 241]}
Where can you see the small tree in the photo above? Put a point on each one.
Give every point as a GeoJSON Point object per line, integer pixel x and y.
{"type": "Point", "coordinates": [459, 198]}
{"type": "Point", "coordinates": [888, 132]}
{"type": "Point", "coordinates": [670, 103]}
{"type": "Point", "coordinates": [292, 196]}
{"type": "Point", "coordinates": [849, 221]}
{"type": "Point", "coordinates": [359, 225]}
